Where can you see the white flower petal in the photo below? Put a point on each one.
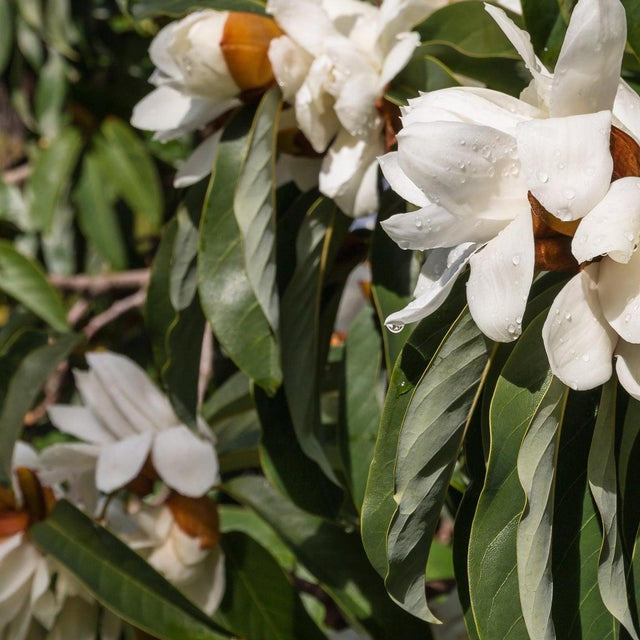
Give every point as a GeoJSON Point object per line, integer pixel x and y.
{"type": "Point", "coordinates": [98, 400]}
{"type": "Point", "coordinates": [521, 40]}
{"type": "Point", "coordinates": [628, 367]}
{"type": "Point", "coordinates": [18, 566]}
{"type": "Point", "coordinates": [186, 463]}
{"type": "Point", "coordinates": [121, 462]}
{"type": "Point", "coordinates": [290, 64]}
{"type": "Point", "coordinates": [437, 277]}
{"type": "Point", "coordinates": [433, 227]}
{"type": "Point", "coordinates": [398, 57]}
{"type": "Point", "coordinates": [304, 21]}
{"type": "Point", "coordinates": [66, 460]}
{"type": "Point", "coordinates": [355, 105]}
{"type": "Point", "coordinates": [208, 587]}
{"type": "Point", "coordinates": [199, 164]}
{"type": "Point", "coordinates": [399, 181]}
{"type": "Point", "coordinates": [349, 173]}
{"type": "Point", "coordinates": [78, 620]}
{"type": "Point", "coordinates": [159, 51]}
{"type": "Point", "coordinates": [612, 226]}
{"type": "Point", "coordinates": [132, 391]}
{"type": "Point", "coordinates": [314, 106]}
{"type": "Point", "coordinates": [470, 170]}
{"type": "Point", "coordinates": [587, 73]}
{"type": "Point", "coordinates": [24, 455]}
{"type": "Point", "coordinates": [577, 338]}
{"type": "Point", "coordinates": [500, 280]}
{"type": "Point", "coordinates": [619, 292]}
{"type": "Point", "coordinates": [110, 626]}
{"type": "Point", "coordinates": [79, 422]}
{"type": "Point", "coordinates": [626, 110]}
{"type": "Point", "coordinates": [167, 109]}
{"type": "Point", "coordinates": [398, 16]}
{"type": "Point", "coordinates": [473, 105]}
{"type": "Point", "coordinates": [567, 162]}
{"type": "Point", "coordinates": [303, 172]}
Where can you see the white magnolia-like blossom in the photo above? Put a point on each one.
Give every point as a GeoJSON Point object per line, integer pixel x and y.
{"type": "Point", "coordinates": [38, 598]}
{"type": "Point", "coordinates": [193, 564]}
{"type": "Point", "coordinates": [124, 422]}
{"type": "Point", "coordinates": [194, 84]}
{"type": "Point", "coordinates": [333, 64]}
{"type": "Point", "coordinates": [468, 158]}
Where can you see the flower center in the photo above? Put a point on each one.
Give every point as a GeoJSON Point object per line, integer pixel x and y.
{"type": "Point", "coordinates": [553, 236]}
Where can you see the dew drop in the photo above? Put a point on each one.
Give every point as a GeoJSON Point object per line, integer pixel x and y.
{"type": "Point", "coordinates": [569, 194]}
{"type": "Point", "coordinates": [627, 318]}
{"type": "Point", "coordinates": [395, 327]}
{"type": "Point", "coordinates": [629, 236]}
{"type": "Point", "coordinates": [543, 177]}
{"type": "Point", "coordinates": [491, 171]}
{"type": "Point", "coordinates": [419, 222]}
{"type": "Point", "coordinates": [403, 244]}
{"type": "Point", "coordinates": [567, 316]}
{"type": "Point", "coordinates": [586, 357]}
{"type": "Point", "coordinates": [511, 329]}
{"type": "Point", "coordinates": [516, 260]}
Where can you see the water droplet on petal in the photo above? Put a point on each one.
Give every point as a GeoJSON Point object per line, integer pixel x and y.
{"type": "Point", "coordinates": [395, 327]}
{"type": "Point", "coordinates": [543, 177]}
{"type": "Point", "coordinates": [567, 316]}
{"type": "Point", "coordinates": [516, 260]}
{"type": "Point", "coordinates": [569, 194]}
{"type": "Point", "coordinates": [586, 357]}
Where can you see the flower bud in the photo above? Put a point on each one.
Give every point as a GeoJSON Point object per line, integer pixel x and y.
{"type": "Point", "coordinates": [245, 45]}
{"type": "Point", "coordinates": [197, 517]}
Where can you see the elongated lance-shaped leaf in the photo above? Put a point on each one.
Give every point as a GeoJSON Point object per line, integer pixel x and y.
{"type": "Point", "coordinates": [430, 439]}
{"type": "Point", "coordinates": [336, 559]}
{"type": "Point", "coordinates": [23, 389]}
{"type": "Point", "coordinates": [379, 506]}
{"type": "Point", "coordinates": [536, 470]}
{"type": "Point", "coordinates": [254, 205]}
{"type": "Point", "coordinates": [603, 483]}
{"type": "Point", "coordinates": [146, 8]}
{"type": "Point", "coordinates": [119, 578]}
{"type": "Point", "coordinates": [628, 488]}
{"type": "Point", "coordinates": [226, 294]}
{"type": "Point", "coordinates": [319, 238]}
{"type": "Point", "coordinates": [520, 392]}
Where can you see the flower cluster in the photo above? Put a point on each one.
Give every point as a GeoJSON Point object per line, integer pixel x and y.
{"type": "Point", "coordinates": [133, 464]}
{"type": "Point", "coordinates": [547, 182]}
{"type": "Point", "coordinates": [333, 62]}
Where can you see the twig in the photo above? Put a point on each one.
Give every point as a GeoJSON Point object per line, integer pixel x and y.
{"type": "Point", "coordinates": [206, 363]}
{"type": "Point", "coordinates": [52, 390]}
{"type": "Point", "coordinates": [17, 174]}
{"type": "Point", "coordinates": [117, 309]}
{"type": "Point", "coordinates": [78, 311]}
{"type": "Point", "coordinates": [96, 285]}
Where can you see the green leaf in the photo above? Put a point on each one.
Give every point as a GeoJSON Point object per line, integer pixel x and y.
{"type": "Point", "coordinates": [632, 7]}
{"type": "Point", "coordinates": [119, 578]}
{"type": "Point", "coordinates": [285, 463]}
{"type": "Point", "coordinates": [334, 557]}
{"type": "Point", "coordinates": [390, 277]}
{"type": "Point", "coordinates": [232, 397]}
{"type": "Point", "coordinates": [51, 176]}
{"type": "Point", "coordinates": [578, 610]}
{"type": "Point", "coordinates": [430, 438]}
{"type": "Point", "coordinates": [132, 171]}
{"type": "Point", "coordinates": [259, 601]}
{"type": "Point", "coordinates": [23, 389]}
{"type": "Point", "coordinates": [602, 475]}
{"type": "Point", "coordinates": [96, 214]}
{"type": "Point", "coordinates": [540, 16]}
{"type": "Point", "coordinates": [6, 34]}
{"type": "Point", "coordinates": [301, 322]}
{"type": "Point", "coordinates": [226, 293]}
{"type": "Point", "coordinates": [379, 506]}
{"type": "Point", "coordinates": [521, 392]}
{"type": "Point", "coordinates": [50, 95]}
{"type": "Point", "coordinates": [467, 27]}
{"type": "Point", "coordinates": [422, 73]}
{"type": "Point", "coordinates": [24, 280]}
{"type": "Point", "coordinates": [536, 470]}
{"type": "Point", "coordinates": [146, 8]}
{"type": "Point", "coordinates": [362, 406]}
{"type": "Point", "coordinates": [254, 205]}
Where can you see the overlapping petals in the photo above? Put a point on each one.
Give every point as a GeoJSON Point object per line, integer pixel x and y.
{"type": "Point", "coordinates": [126, 421]}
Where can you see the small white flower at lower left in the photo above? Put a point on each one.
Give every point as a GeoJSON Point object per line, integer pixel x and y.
{"type": "Point", "coordinates": [125, 422]}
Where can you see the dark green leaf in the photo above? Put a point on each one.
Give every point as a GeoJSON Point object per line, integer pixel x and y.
{"type": "Point", "coordinates": [226, 294]}
{"type": "Point", "coordinates": [146, 8]}
{"type": "Point", "coordinates": [23, 280]}
{"type": "Point", "coordinates": [119, 578]}
{"type": "Point", "coordinates": [51, 176]}
{"type": "Point", "coordinates": [254, 205]}
{"type": "Point", "coordinates": [379, 506]}
{"type": "Point", "coordinates": [96, 214]}
{"type": "Point", "coordinates": [23, 389]}
{"type": "Point", "coordinates": [362, 404]}
{"type": "Point", "coordinates": [429, 442]}
{"type": "Point", "coordinates": [334, 557]}
{"type": "Point", "coordinates": [6, 34]}
{"type": "Point", "coordinates": [259, 601]}
{"type": "Point", "coordinates": [50, 95]}
{"type": "Point", "coordinates": [132, 171]}
{"type": "Point", "coordinates": [467, 27]}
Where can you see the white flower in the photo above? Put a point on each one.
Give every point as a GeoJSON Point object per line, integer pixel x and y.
{"type": "Point", "coordinates": [193, 563]}
{"type": "Point", "coordinates": [334, 63]}
{"type": "Point", "coordinates": [468, 157]}
{"type": "Point", "coordinates": [202, 65]}
{"type": "Point", "coordinates": [38, 598]}
{"type": "Point", "coordinates": [125, 421]}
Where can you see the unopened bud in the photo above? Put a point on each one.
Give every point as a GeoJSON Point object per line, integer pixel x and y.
{"type": "Point", "coordinates": [197, 517]}
{"type": "Point", "coordinates": [245, 45]}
